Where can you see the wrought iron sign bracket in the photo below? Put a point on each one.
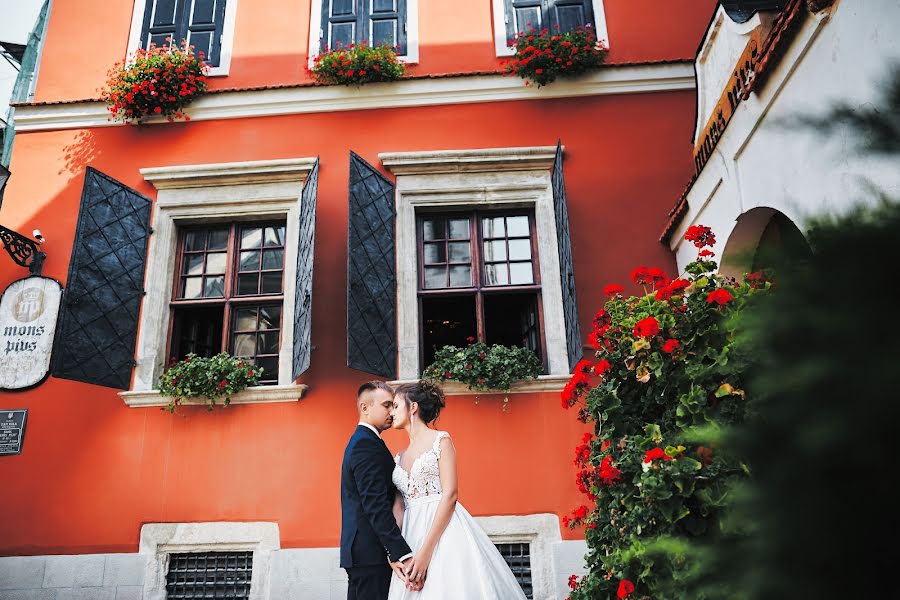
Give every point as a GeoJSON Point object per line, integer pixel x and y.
{"type": "Point", "coordinates": [25, 252]}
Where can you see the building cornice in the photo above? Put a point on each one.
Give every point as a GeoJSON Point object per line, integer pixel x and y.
{"type": "Point", "coordinates": [629, 79]}
{"type": "Point", "coordinates": [469, 161]}
{"type": "Point", "coordinates": [237, 173]}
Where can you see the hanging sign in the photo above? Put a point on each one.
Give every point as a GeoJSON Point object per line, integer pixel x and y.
{"type": "Point", "coordinates": [12, 430]}
{"type": "Point", "coordinates": [28, 312]}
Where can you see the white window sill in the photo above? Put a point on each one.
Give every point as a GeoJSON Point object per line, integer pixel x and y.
{"type": "Point", "coordinates": [544, 383]}
{"type": "Point", "coordinates": [263, 394]}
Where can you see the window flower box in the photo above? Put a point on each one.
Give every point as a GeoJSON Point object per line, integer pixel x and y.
{"type": "Point", "coordinates": [542, 56]}
{"type": "Point", "coordinates": [358, 64]}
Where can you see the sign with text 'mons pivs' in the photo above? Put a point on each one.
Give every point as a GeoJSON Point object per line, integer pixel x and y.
{"type": "Point", "coordinates": [12, 430]}
{"type": "Point", "coordinates": [28, 312]}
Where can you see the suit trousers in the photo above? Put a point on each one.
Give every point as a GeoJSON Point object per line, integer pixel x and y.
{"type": "Point", "coordinates": [369, 583]}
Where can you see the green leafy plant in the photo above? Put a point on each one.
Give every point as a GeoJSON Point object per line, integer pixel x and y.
{"type": "Point", "coordinates": [542, 56]}
{"type": "Point", "coordinates": [212, 378]}
{"type": "Point", "coordinates": [669, 375]}
{"type": "Point", "coordinates": [358, 64]}
{"type": "Point", "coordinates": [482, 367]}
{"type": "Point", "coordinates": [159, 81]}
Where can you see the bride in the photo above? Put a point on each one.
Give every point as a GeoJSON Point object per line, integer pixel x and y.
{"type": "Point", "coordinates": [460, 560]}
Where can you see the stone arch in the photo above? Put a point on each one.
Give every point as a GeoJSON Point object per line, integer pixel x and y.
{"type": "Point", "coordinates": [763, 237]}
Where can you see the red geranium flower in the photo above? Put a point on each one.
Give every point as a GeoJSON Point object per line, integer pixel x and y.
{"type": "Point", "coordinates": [626, 588]}
{"type": "Point", "coordinates": [613, 289]}
{"type": "Point", "coordinates": [720, 296]}
{"type": "Point", "coordinates": [607, 472]}
{"type": "Point", "coordinates": [573, 581]}
{"type": "Point", "coordinates": [671, 346]}
{"type": "Point", "coordinates": [656, 453]}
{"type": "Point", "coordinates": [700, 235]}
{"type": "Point", "coordinates": [648, 327]}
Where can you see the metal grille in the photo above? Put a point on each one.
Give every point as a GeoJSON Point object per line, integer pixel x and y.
{"type": "Point", "coordinates": [566, 269]}
{"type": "Point", "coordinates": [209, 575]}
{"type": "Point", "coordinates": [303, 293]}
{"type": "Point", "coordinates": [518, 557]}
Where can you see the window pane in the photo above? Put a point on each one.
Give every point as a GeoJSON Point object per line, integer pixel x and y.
{"type": "Point", "coordinates": [274, 259]}
{"type": "Point", "coordinates": [435, 277]}
{"type": "Point", "coordinates": [508, 318]}
{"type": "Point", "coordinates": [250, 261]}
{"type": "Point", "coordinates": [215, 263]}
{"type": "Point", "coordinates": [271, 283]}
{"type": "Point", "coordinates": [528, 19]}
{"type": "Point", "coordinates": [248, 284]}
{"type": "Point", "coordinates": [197, 330]}
{"type": "Point", "coordinates": [342, 7]}
{"type": "Point", "coordinates": [274, 236]}
{"type": "Point", "coordinates": [520, 249]}
{"type": "Point", "coordinates": [383, 5]}
{"type": "Point", "coordinates": [218, 239]}
{"type": "Point", "coordinates": [517, 226]}
{"type": "Point", "coordinates": [460, 276]}
{"type": "Point", "coordinates": [270, 317]}
{"type": "Point", "coordinates": [435, 253]}
{"type": "Point", "coordinates": [459, 229]}
{"type": "Point", "coordinates": [194, 240]}
{"type": "Point", "coordinates": [445, 321]}
{"type": "Point", "coordinates": [245, 319]}
{"type": "Point", "coordinates": [269, 366]}
{"type": "Point", "coordinates": [521, 273]}
{"type": "Point", "coordinates": [192, 287]}
{"type": "Point", "coordinates": [214, 287]}
{"type": "Point", "coordinates": [460, 252]}
{"type": "Point", "coordinates": [193, 264]}
{"type": "Point", "coordinates": [570, 17]}
{"type": "Point", "coordinates": [342, 34]}
{"type": "Point", "coordinates": [267, 343]}
{"type": "Point", "coordinates": [384, 32]}
{"type": "Point", "coordinates": [495, 250]}
{"type": "Point", "coordinates": [245, 344]}
{"type": "Point", "coordinates": [493, 227]}
{"type": "Point", "coordinates": [201, 41]}
{"type": "Point", "coordinates": [496, 274]}
{"type": "Point", "coordinates": [433, 229]}
{"type": "Point", "coordinates": [251, 238]}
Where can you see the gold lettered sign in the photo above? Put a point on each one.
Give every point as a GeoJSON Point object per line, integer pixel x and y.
{"type": "Point", "coordinates": [29, 309]}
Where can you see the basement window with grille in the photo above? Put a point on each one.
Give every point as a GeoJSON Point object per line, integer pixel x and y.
{"type": "Point", "coordinates": [209, 575]}
{"type": "Point", "coordinates": [518, 557]}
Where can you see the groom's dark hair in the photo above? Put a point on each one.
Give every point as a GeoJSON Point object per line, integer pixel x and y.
{"type": "Point", "coordinates": [371, 386]}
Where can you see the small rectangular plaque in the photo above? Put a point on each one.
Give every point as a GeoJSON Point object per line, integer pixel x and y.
{"type": "Point", "coordinates": [12, 430]}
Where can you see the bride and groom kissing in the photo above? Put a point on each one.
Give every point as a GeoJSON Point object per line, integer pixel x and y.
{"type": "Point", "coordinates": [404, 536]}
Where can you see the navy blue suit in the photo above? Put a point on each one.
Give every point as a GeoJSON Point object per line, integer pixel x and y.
{"type": "Point", "coordinates": [369, 532]}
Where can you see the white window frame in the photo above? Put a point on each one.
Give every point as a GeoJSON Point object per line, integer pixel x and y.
{"type": "Point", "coordinates": [469, 179]}
{"type": "Point", "coordinates": [224, 66]}
{"type": "Point", "coordinates": [159, 540]}
{"type": "Point", "coordinates": [541, 532]}
{"type": "Point", "coordinates": [412, 32]}
{"type": "Point", "coordinates": [499, 9]}
{"type": "Point", "coordinates": [216, 193]}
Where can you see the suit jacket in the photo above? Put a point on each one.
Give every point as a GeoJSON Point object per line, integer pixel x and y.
{"type": "Point", "coordinates": [369, 532]}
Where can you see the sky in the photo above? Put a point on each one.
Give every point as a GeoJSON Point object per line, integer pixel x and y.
{"type": "Point", "coordinates": [17, 18]}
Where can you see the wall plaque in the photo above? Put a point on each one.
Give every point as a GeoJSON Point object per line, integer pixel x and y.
{"type": "Point", "coordinates": [12, 431]}
{"type": "Point", "coordinates": [28, 312]}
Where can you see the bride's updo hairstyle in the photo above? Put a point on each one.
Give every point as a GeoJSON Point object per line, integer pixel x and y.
{"type": "Point", "coordinates": [429, 396]}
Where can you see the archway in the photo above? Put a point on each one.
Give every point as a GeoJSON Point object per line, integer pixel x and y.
{"type": "Point", "coordinates": [763, 238]}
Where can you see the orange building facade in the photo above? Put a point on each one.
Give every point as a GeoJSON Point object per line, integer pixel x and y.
{"type": "Point", "coordinates": [107, 487]}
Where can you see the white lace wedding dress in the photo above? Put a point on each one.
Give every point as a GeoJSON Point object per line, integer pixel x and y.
{"type": "Point", "coordinates": [465, 564]}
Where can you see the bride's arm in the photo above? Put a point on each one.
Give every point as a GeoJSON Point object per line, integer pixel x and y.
{"type": "Point", "coordinates": [449, 493]}
{"type": "Point", "coordinates": [398, 509]}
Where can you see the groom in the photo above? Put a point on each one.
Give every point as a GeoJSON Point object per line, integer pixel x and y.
{"type": "Point", "coordinates": [371, 543]}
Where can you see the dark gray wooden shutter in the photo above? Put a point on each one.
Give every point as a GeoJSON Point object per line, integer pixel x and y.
{"type": "Point", "coordinates": [371, 272]}
{"type": "Point", "coordinates": [566, 269]}
{"type": "Point", "coordinates": [346, 22]}
{"type": "Point", "coordinates": [4, 177]}
{"type": "Point", "coordinates": [98, 324]}
{"type": "Point", "coordinates": [555, 15]}
{"type": "Point", "coordinates": [303, 292]}
{"type": "Point", "coordinates": [201, 22]}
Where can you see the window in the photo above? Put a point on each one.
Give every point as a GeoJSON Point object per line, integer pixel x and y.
{"type": "Point", "coordinates": [513, 16]}
{"type": "Point", "coordinates": [345, 22]}
{"type": "Point", "coordinates": [228, 294]}
{"type": "Point", "coordinates": [518, 557]}
{"type": "Point", "coordinates": [209, 575]}
{"type": "Point", "coordinates": [207, 25]}
{"type": "Point", "coordinates": [479, 277]}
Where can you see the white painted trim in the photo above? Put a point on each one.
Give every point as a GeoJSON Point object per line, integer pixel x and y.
{"type": "Point", "coordinates": [399, 94]}
{"type": "Point", "coordinates": [225, 52]}
{"type": "Point", "coordinates": [543, 383]}
{"type": "Point", "coordinates": [263, 394]}
{"type": "Point", "coordinates": [518, 177]}
{"type": "Point", "coordinates": [203, 193]}
{"type": "Point", "coordinates": [541, 532]}
{"type": "Point", "coordinates": [500, 41]}
{"type": "Point", "coordinates": [159, 540]}
{"type": "Point", "coordinates": [412, 32]}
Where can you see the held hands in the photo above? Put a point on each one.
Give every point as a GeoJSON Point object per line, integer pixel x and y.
{"type": "Point", "coordinates": [400, 570]}
{"type": "Point", "coordinates": [416, 569]}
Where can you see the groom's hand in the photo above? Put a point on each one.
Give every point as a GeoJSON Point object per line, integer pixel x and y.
{"type": "Point", "coordinates": [400, 569]}
{"type": "Point", "coordinates": [416, 570]}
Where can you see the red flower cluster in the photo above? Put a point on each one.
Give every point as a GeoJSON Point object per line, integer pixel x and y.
{"type": "Point", "coordinates": [358, 64]}
{"type": "Point", "coordinates": [541, 57]}
{"type": "Point", "coordinates": [720, 296]}
{"type": "Point", "coordinates": [648, 327]}
{"type": "Point", "coordinates": [670, 346]}
{"type": "Point", "coordinates": [583, 452]}
{"type": "Point", "coordinates": [675, 289]}
{"type": "Point", "coordinates": [626, 588]}
{"type": "Point", "coordinates": [650, 276]}
{"type": "Point", "coordinates": [573, 581]}
{"type": "Point", "coordinates": [700, 235]}
{"type": "Point", "coordinates": [608, 473]}
{"type": "Point", "coordinates": [613, 289]}
{"type": "Point", "coordinates": [656, 453]}
{"type": "Point", "coordinates": [157, 81]}
{"type": "Point", "coordinates": [581, 379]}
{"type": "Point", "coordinates": [756, 279]}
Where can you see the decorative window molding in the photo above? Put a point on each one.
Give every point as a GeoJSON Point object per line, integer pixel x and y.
{"type": "Point", "coordinates": [495, 177]}
{"type": "Point", "coordinates": [226, 48]}
{"type": "Point", "coordinates": [210, 193]}
{"type": "Point", "coordinates": [412, 31]}
{"type": "Point", "coordinates": [541, 532]}
{"type": "Point", "coordinates": [501, 41]}
{"type": "Point", "coordinates": [159, 540]}
{"type": "Point", "coordinates": [543, 383]}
